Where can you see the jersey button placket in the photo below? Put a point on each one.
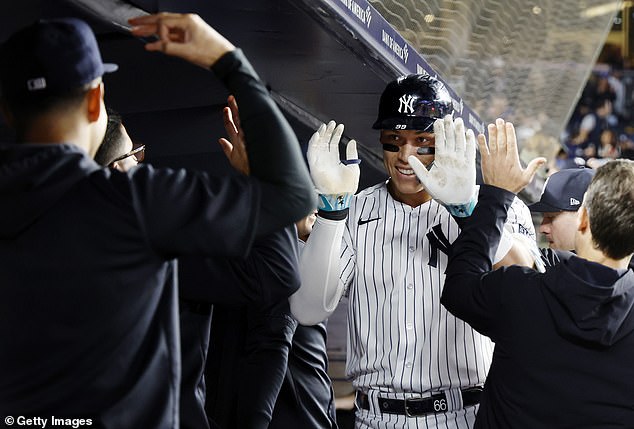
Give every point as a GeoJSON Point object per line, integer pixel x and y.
{"type": "Point", "coordinates": [411, 249]}
{"type": "Point", "coordinates": [410, 306]}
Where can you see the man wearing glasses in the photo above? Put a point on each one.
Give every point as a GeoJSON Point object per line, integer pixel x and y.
{"type": "Point", "coordinates": [117, 149]}
{"type": "Point", "coordinates": [258, 348]}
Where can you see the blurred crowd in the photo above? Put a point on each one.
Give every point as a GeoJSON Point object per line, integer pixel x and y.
{"type": "Point", "coordinates": [601, 127]}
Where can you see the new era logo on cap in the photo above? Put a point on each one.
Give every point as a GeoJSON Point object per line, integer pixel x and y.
{"type": "Point", "coordinates": [50, 57]}
{"type": "Point", "coordinates": [564, 190]}
{"type": "Point", "coordinates": [36, 84]}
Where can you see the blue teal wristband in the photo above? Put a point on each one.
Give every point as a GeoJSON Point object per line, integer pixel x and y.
{"type": "Point", "coordinates": [463, 210]}
{"type": "Point", "coordinates": [334, 202]}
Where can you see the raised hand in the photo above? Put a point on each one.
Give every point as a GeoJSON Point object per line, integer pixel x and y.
{"type": "Point", "coordinates": [336, 181]}
{"type": "Point", "coordinates": [451, 178]}
{"type": "Point", "coordinates": [234, 149]}
{"type": "Point", "coordinates": [500, 159]}
{"type": "Point", "coordinates": [182, 35]}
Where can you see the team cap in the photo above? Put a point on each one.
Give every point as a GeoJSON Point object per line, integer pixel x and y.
{"type": "Point", "coordinates": [413, 102]}
{"type": "Point", "coordinates": [564, 190]}
{"type": "Point", "coordinates": [50, 57]}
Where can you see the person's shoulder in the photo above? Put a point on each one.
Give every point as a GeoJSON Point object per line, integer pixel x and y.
{"type": "Point", "coordinates": [551, 257]}
{"type": "Point", "coordinates": [372, 191]}
{"type": "Point", "coordinates": [518, 203]}
{"type": "Point", "coordinates": [520, 219]}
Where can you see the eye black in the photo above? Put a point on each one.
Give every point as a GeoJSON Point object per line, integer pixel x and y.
{"type": "Point", "coordinates": [427, 150]}
{"type": "Point", "coordinates": [390, 147]}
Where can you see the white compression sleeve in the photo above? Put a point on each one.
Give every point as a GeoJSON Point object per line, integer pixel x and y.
{"type": "Point", "coordinates": [320, 290]}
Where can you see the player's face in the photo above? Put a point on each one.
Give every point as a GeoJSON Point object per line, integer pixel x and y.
{"type": "Point", "coordinates": [559, 229]}
{"type": "Point", "coordinates": [398, 145]}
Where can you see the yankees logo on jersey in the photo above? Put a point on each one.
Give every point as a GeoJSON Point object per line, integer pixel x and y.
{"type": "Point", "coordinates": [438, 242]}
{"type": "Point", "coordinates": [400, 338]}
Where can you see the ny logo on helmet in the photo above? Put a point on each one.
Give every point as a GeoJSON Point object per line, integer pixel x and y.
{"type": "Point", "coordinates": [406, 104]}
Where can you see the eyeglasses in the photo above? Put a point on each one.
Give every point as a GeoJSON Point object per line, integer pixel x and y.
{"type": "Point", "coordinates": [138, 151]}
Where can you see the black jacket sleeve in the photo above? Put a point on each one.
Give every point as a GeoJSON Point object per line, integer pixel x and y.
{"type": "Point", "coordinates": [266, 275]}
{"type": "Point", "coordinates": [191, 213]}
{"type": "Point", "coordinates": [470, 262]}
{"type": "Point", "coordinates": [275, 156]}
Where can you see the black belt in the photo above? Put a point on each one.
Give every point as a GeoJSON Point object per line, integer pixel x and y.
{"type": "Point", "coordinates": [419, 406]}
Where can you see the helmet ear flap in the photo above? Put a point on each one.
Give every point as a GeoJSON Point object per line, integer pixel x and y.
{"type": "Point", "coordinates": [413, 102]}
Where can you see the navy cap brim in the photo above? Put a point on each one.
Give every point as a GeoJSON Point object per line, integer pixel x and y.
{"type": "Point", "coordinates": [542, 207]}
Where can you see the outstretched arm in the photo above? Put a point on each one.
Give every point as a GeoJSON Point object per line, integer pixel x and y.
{"type": "Point", "coordinates": [471, 291]}
{"type": "Point", "coordinates": [274, 153]}
{"type": "Point", "coordinates": [451, 181]}
{"type": "Point", "coordinates": [501, 167]}
{"type": "Point", "coordinates": [320, 262]}
{"type": "Point", "coordinates": [319, 270]}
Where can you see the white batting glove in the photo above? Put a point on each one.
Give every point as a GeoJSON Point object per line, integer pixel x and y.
{"type": "Point", "coordinates": [452, 178]}
{"type": "Point", "coordinates": [336, 181]}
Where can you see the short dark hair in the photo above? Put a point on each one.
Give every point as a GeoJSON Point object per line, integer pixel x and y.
{"type": "Point", "coordinates": [26, 108]}
{"type": "Point", "coordinates": [111, 146]}
{"type": "Point", "coordinates": [48, 66]}
{"type": "Point", "coordinates": [610, 204]}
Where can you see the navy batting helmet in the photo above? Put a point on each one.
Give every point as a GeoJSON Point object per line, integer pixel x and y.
{"type": "Point", "coordinates": [413, 102]}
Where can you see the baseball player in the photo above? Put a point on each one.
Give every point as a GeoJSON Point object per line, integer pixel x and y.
{"type": "Point", "coordinates": [412, 363]}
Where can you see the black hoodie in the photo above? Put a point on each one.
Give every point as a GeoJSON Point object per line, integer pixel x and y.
{"type": "Point", "coordinates": [88, 315]}
{"type": "Point", "coordinates": [564, 342]}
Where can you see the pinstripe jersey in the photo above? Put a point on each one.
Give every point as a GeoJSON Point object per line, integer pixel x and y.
{"type": "Point", "coordinates": [400, 338]}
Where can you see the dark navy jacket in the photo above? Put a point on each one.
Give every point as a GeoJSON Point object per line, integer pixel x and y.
{"type": "Point", "coordinates": [88, 299]}
{"type": "Point", "coordinates": [564, 341]}
{"type": "Point", "coordinates": [258, 351]}
{"type": "Point", "coordinates": [252, 370]}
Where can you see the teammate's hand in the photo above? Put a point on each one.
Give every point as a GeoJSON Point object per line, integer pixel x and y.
{"type": "Point", "coordinates": [235, 149]}
{"type": "Point", "coordinates": [500, 159]}
{"type": "Point", "coordinates": [182, 35]}
{"type": "Point", "coordinates": [330, 175]}
{"type": "Point", "coordinates": [451, 178]}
